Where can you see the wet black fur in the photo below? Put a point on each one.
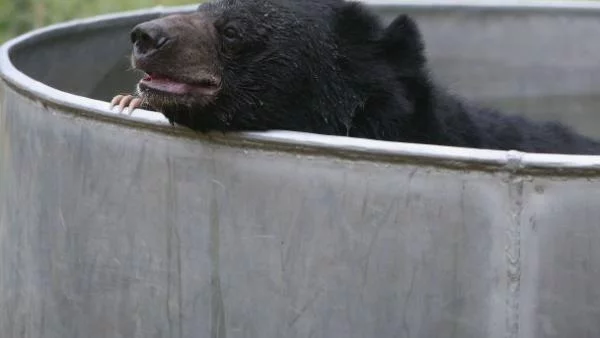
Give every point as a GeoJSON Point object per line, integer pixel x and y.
{"type": "Point", "coordinates": [330, 67]}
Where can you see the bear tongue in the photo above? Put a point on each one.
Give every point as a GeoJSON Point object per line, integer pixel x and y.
{"type": "Point", "coordinates": [165, 84]}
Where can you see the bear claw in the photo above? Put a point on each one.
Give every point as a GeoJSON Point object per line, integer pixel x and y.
{"type": "Point", "coordinates": [130, 102]}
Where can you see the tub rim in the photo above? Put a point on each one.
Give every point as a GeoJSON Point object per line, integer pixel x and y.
{"type": "Point", "coordinates": [387, 151]}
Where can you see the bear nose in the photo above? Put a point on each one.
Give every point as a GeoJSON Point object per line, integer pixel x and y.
{"type": "Point", "coordinates": [148, 37]}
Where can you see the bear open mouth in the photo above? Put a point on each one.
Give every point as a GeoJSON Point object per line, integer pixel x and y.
{"type": "Point", "coordinates": [169, 85]}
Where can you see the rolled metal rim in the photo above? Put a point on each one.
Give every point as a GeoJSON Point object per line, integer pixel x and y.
{"type": "Point", "coordinates": [495, 160]}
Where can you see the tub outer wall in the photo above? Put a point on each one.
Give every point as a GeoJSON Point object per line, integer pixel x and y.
{"type": "Point", "coordinates": [126, 227]}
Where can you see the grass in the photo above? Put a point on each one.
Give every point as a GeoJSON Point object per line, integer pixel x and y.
{"type": "Point", "coordinates": [19, 16]}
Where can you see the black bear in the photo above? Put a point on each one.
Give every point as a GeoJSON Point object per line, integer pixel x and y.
{"type": "Point", "coordinates": [327, 67]}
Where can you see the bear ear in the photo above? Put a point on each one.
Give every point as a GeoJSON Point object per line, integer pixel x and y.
{"type": "Point", "coordinates": [354, 24]}
{"type": "Point", "coordinates": [402, 42]}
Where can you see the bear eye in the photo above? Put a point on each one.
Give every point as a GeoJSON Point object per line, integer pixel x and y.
{"type": "Point", "coordinates": [230, 33]}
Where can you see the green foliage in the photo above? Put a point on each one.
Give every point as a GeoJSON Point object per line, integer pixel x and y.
{"type": "Point", "coordinates": [19, 16]}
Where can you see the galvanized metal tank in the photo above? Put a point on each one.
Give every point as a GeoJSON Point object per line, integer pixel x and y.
{"type": "Point", "coordinates": [113, 226]}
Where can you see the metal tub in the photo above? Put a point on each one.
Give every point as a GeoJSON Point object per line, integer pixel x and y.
{"type": "Point", "coordinates": [115, 226]}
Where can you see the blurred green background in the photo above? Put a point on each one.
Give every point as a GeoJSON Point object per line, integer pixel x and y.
{"type": "Point", "coordinates": [19, 16]}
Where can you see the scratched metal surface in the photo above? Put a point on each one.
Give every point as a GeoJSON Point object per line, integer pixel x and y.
{"type": "Point", "coordinates": [127, 227]}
